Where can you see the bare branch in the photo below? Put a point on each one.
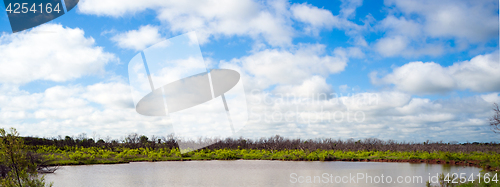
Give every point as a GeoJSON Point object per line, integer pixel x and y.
{"type": "Point", "coordinates": [495, 120]}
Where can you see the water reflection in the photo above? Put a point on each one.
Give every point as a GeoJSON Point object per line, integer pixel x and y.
{"type": "Point", "coordinates": [245, 173]}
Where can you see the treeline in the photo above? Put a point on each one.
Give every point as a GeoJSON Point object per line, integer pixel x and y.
{"type": "Point", "coordinates": [133, 140]}
{"type": "Point", "coordinates": [277, 142]}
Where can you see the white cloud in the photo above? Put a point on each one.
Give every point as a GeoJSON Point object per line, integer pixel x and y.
{"type": "Point", "coordinates": [350, 52]}
{"type": "Point", "coordinates": [273, 66]}
{"type": "Point", "coordinates": [271, 22]}
{"type": "Point", "coordinates": [492, 98]}
{"type": "Point", "coordinates": [400, 26]}
{"type": "Point", "coordinates": [258, 20]}
{"type": "Point", "coordinates": [22, 101]}
{"type": "Point", "coordinates": [139, 39]}
{"type": "Point", "coordinates": [473, 20]}
{"type": "Point", "coordinates": [425, 27]}
{"type": "Point", "coordinates": [419, 77]}
{"type": "Point", "coordinates": [315, 17]}
{"type": "Point", "coordinates": [348, 8]}
{"type": "Point", "coordinates": [111, 95]}
{"type": "Point", "coordinates": [400, 45]}
{"type": "Point", "coordinates": [105, 108]}
{"type": "Point", "coordinates": [344, 88]}
{"type": "Point", "coordinates": [60, 97]}
{"type": "Point", "coordinates": [55, 53]}
{"type": "Point", "coordinates": [384, 115]}
{"type": "Point", "coordinates": [115, 8]}
{"type": "Point", "coordinates": [391, 46]}
{"type": "Point", "coordinates": [312, 86]}
{"type": "Point", "coordinates": [71, 110]}
{"type": "Point", "coordinates": [480, 74]}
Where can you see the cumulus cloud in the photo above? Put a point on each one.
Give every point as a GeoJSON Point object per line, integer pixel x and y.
{"type": "Point", "coordinates": [300, 69]}
{"type": "Point", "coordinates": [385, 115]}
{"type": "Point", "coordinates": [272, 66]}
{"type": "Point", "coordinates": [399, 45]}
{"type": "Point", "coordinates": [473, 20]}
{"type": "Point", "coordinates": [391, 46]}
{"type": "Point", "coordinates": [271, 22]}
{"type": "Point", "coordinates": [314, 85]}
{"type": "Point", "coordinates": [400, 26]}
{"type": "Point", "coordinates": [314, 17]}
{"type": "Point", "coordinates": [113, 94]}
{"type": "Point", "coordinates": [480, 74]}
{"type": "Point", "coordinates": [258, 20]}
{"type": "Point", "coordinates": [104, 107]}
{"type": "Point", "coordinates": [139, 39]}
{"type": "Point", "coordinates": [56, 53]}
{"type": "Point", "coordinates": [416, 28]}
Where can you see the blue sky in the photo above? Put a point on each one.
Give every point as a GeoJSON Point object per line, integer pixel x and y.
{"type": "Point", "coordinates": [434, 65]}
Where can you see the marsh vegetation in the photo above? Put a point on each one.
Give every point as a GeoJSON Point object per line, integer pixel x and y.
{"type": "Point", "coordinates": [134, 147]}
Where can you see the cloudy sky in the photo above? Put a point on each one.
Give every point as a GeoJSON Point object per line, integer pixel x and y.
{"type": "Point", "coordinates": [411, 70]}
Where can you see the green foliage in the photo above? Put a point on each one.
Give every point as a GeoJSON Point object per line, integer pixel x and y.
{"type": "Point", "coordinates": [92, 155]}
{"type": "Point", "coordinates": [14, 156]}
{"type": "Point", "coordinates": [225, 154]}
{"type": "Point", "coordinates": [140, 148]}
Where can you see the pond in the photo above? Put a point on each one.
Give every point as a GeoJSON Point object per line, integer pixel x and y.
{"type": "Point", "coordinates": [253, 173]}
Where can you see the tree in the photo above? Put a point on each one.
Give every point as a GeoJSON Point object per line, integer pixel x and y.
{"type": "Point", "coordinates": [20, 170]}
{"type": "Point", "coordinates": [495, 120]}
{"type": "Point", "coordinates": [143, 139]}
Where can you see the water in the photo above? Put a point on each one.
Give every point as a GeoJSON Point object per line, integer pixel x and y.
{"type": "Point", "coordinates": [251, 173]}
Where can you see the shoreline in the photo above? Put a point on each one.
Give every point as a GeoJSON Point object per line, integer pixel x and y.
{"type": "Point", "coordinates": [469, 163]}
{"type": "Point", "coordinates": [61, 156]}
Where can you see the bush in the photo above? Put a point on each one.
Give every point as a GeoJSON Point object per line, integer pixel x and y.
{"type": "Point", "coordinates": [14, 156]}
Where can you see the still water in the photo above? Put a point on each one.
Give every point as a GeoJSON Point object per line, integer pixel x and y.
{"type": "Point", "coordinates": [252, 173]}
